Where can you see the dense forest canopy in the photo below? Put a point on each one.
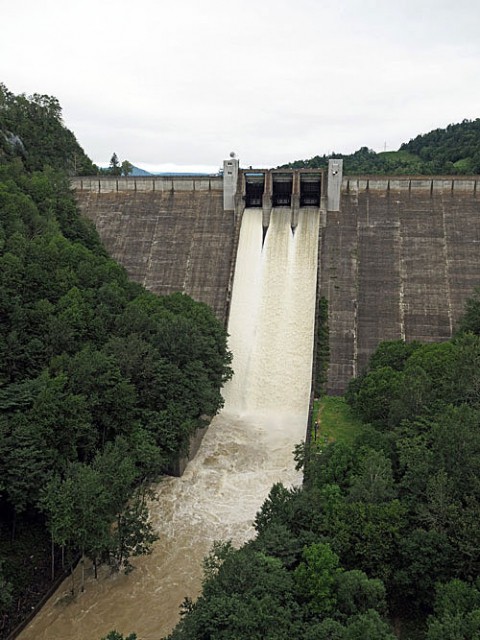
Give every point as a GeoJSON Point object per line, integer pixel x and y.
{"type": "Point", "coordinates": [382, 539]}
{"type": "Point", "coordinates": [453, 150]}
{"type": "Point", "coordinates": [101, 382]}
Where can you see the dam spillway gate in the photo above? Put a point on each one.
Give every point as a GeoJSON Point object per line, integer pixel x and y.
{"type": "Point", "coordinates": [307, 186]}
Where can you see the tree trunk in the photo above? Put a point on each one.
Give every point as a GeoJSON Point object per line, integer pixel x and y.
{"type": "Point", "coordinates": [82, 562]}
{"type": "Point", "coordinates": [53, 559]}
{"type": "Point", "coordinates": [72, 574]}
{"type": "Point", "coordinates": [120, 542]}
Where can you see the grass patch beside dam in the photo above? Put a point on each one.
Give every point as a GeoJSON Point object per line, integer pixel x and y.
{"type": "Point", "coordinates": [336, 421]}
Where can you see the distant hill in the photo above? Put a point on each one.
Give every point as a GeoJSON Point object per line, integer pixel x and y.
{"type": "Point", "coordinates": [456, 148]}
{"type": "Point", "coordinates": [136, 171]}
{"type": "Point", "coordinates": [182, 173]}
{"type": "Point", "coordinates": [453, 150]}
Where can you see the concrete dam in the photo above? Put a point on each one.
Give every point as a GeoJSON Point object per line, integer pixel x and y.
{"type": "Point", "coordinates": [397, 256]}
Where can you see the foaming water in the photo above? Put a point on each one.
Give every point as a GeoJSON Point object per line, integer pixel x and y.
{"type": "Point", "coordinates": [247, 448]}
{"type": "Point", "coordinates": [272, 316]}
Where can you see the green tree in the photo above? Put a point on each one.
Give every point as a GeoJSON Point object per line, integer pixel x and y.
{"type": "Point", "coordinates": [27, 463]}
{"type": "Point", "coordinates": [276, 508]}
{"type": "Point", "coordinates": [373, 397]}
{"type": "Point", "coordinates": [6, 591]}
{"type": "Point", "coordinates": [393, 354]}
{"type": "Point", "coordinates": [251, 596]}
{"type": "Point", "coordinates": [334, 465]}
{"type": "Point", "coordinates": [327, 629]}
{"type": "Point", "coordinates": [110, 398]}
{"type": "Point", "coordinates": [457, 612]}
{"type": "Point", "coordinates": [373, 482]}
{"type": "Point", "coordinates": [371, 534]}
{"type": "Point", "coordinates": [114, 167]}
{"type": "Point", "coordinates": [315, 578]}
{"type": "Point", "coordinates": [77, 509]}
{"type": "Point", "coordinates": [425, 557]}
{"type": "Point", "coordinates": [357, 594]}
{"type": "Point", "coordinates": [126, 168]}
{"type": "Point", "coordinates": [369, 625]}
{"type": "Point", "coordinates": [466, 370]}
{"type": "Point", "coordinates": [133, 534]}
{"type": "Point", "coordinates": [322, 354]}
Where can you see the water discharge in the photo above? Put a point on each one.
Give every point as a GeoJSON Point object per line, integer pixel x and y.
{"type": "Point", "coordinates": [247, 448]}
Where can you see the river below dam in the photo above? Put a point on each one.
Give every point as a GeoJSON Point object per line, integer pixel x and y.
{"type": "Point", "coordinates": [247, 448]}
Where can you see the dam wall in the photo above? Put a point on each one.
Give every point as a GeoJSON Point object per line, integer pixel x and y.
{"type": "Point", "coordinates": [398, 256]}
{"type": "Point", "coordinates": [170, 233]}
{"type": "Point", "coordinates": [398, 260]}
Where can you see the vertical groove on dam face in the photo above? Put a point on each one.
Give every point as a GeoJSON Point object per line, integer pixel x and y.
{"type": "Point", "coordinates": [247, 448]}
{"type": "Point", "coordinates": [379, 274]}
{"type": "Point", "coordinates": [462, 232]}
{"type": "Point", "coordinates": [339, 284]}
{"type": "Point", "coordinates": [426, 295]}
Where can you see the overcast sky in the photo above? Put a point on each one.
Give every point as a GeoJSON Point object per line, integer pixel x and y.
{"type": "Point", "coordinates": [185, 82]}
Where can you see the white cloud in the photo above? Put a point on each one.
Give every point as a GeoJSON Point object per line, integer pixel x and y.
{"type": "Point", "coordinates": [171, 167]}
{"type": "Point", "coordinates": [187, 82]}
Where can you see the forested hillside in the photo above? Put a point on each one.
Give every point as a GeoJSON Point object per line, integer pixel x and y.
{"type": "Point", "coordinates": [101, 383]}
{"type": "Point", "coordinates": [31, 130]}
{"type": "Point", "coordinates": [382, 539]}
{"type": "Point", "coordinates": [451, 151]}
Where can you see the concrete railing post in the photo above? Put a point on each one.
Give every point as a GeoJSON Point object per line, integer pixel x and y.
{"type": "Point", "coordinates": [230, 176]}
{"type": "Point", "coordinates": [334, 184]}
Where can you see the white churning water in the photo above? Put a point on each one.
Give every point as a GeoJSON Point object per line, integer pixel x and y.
{"type": "Point", "coordinates": [247, 448]}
